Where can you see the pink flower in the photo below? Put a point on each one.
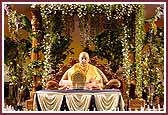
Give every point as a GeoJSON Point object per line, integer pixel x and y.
{"type": "Point", "coordinates": [7, 8]}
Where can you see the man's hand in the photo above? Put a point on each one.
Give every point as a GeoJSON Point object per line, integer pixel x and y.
{"type": "Point", "coordinates": [65, 84]}
{"type": "Point", "coordinates": [94, 86]}
{"type": "Point", "coordinates": [65, 87]}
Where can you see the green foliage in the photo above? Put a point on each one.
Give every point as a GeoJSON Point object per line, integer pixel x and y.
{"type": "Point", "coordinates": [59, 50]}
{"type": "Point", "coordinates": [10, 50]}
{"type": "Point", "coordinates": [15, 54]}
{"type": "Point", "coordinates": [159, 90]}
{"type": "Point", "coordinates": [56, 23]}
{"type": "Point", "coordinates": [154, 60]}
{"type": "Point", "coordinates": [36, 64]}
{"type": "Point", "coordinates": [139, 37]}
{"type": "Point", "coordinates": [26, 23]}
{"type": "Point", "coordinates": [109, 46]}
{"type": "Point", "coordinates": [15, 49]}
{"type": "Point", "coordinates": [57, 41]}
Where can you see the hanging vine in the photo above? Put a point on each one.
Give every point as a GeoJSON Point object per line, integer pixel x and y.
{"type": "Point", "coordinates": [56, 40]}
{"type": "Point", "coordinates": [153, 54]}
{"type": "Point", "coordinates": [17, 48]}
{"type": "Point", "coordinates": [139, 37]}
{"type": "Point", "coordinates": [126, 60]}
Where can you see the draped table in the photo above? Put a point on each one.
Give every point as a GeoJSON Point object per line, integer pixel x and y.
{"type": "Point", "coordinates": [78, 100]}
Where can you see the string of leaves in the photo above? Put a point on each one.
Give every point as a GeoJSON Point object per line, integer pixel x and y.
{"type": "Point", "coordinates": [55, 44]}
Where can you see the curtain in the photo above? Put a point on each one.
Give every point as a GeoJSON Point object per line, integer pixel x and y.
{"type": "Point", "coordinates": [78, 102]}
{"type": "Point", "coordinates": [50, 101]}
{"type": "Point", "coordinates": [109, 101]}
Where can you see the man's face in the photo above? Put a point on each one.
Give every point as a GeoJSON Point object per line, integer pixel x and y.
{"type": "Point", "coordinates": [83, 58]}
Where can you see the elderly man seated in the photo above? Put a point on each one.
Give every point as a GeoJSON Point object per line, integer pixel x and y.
{"type": "Point", "coordinates": [83, 75]}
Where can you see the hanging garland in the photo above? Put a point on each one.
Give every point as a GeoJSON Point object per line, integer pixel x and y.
{"type": "Point", "coordinates": [17, 66]}
{"type": "Point", "coordinates": [139, 37]}
{"type": "Point", "coordinates": [56, 41]}
{"type": "Point", "coordinates": [85, 11]}
{"type": "Point", "coordinates": [153, 50]}
{"type": "Point", "coordinates": [55, 52]}
{"type": "Point", "coordinates": [151, 59]}
{"type": "Point", "coordinates": [153, 63]}
{"type": "Point", "coordinates": [126, 61]}
{"type": "Point", "coordinates": [16, 21]}
{"type": "Point", "coordinates": [46, 47]}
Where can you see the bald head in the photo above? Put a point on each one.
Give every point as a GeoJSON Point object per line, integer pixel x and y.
{"type": "Point", "coordinates": [84, 58]}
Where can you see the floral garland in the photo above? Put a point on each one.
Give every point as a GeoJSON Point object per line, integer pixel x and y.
{"type": "Point", "coordinates": [46, 44]}
{"type": "Point", "coordinates": [12, 18]}
{"type": "Point", "coordinates": [126, 60]}
{"type": "Point", "coordinates": [54, 36]}
{"type": "Point", "coordinates": [84, 11]}
{"type": "Point", "coordinates": [47, 65]}
{"type": "Point", "coordinates": [17, 69]}
{"type": "Point", "coordinates": [153, 66]}
{"type": "Point", "coordinates": [16, 21]}
{"type": "Point", "coordinates": [150, 59]}
{"type": "Point", "coordinates": [139, 37]}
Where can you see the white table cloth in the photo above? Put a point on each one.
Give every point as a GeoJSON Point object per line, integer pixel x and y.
{"type": "Point", "coordinates": [79, 100]}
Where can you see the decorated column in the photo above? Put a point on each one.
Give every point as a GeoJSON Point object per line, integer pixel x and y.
{"type": "Point", "coordinates": [36, 39]}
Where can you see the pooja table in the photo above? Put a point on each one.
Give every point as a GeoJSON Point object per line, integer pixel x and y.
{"type": "Point", "coordinates": [79, 100]}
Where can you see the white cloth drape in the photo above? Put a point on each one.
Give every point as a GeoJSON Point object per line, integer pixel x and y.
{"type": "Point", "coordinates": [105, 101]}
{"type": "Point", "coordinates": [78, 102]}
{"type": "Point", "coordinates": [109, 101]}
{"type": "Point", "coordinates": [50, 101]}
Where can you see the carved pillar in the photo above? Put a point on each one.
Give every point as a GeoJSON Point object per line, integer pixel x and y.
{"type": "Point", "coordinates": [36, 40]}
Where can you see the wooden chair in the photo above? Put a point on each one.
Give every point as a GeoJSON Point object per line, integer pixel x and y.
{"type": "Point", "coordinates": [94, 61]}
{"type": "Point", "coordinates": [29, 104]}
{"type": "Point", "coordinates": [136, 104]}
